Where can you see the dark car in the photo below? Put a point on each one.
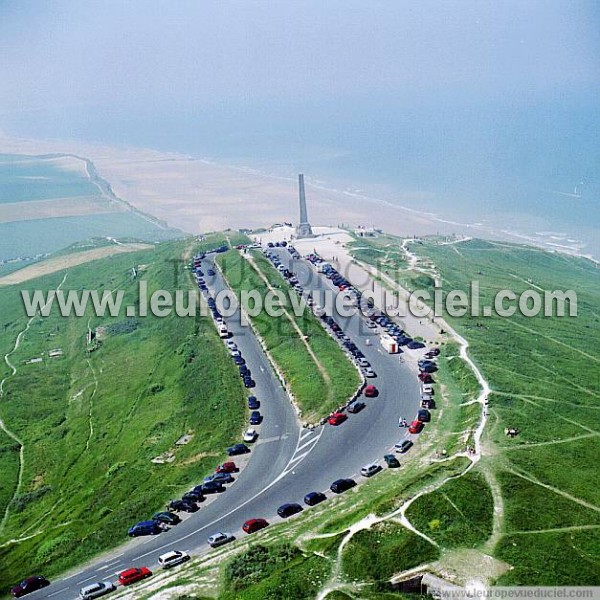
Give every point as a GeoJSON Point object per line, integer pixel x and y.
{"type": "Point", "coordinates": [253, 525]}
{"type": "Point", "coordinates": [426, 378]}
{"type": "Point", "coordinates": [167, 517]}
{"type": "Point", "coordinates": [237, 449]}
{"type": "Point", "coordinates": [287, 510]}
{"type": "Point", "coordinates": [429, 403]}
{"type": "Point", "coordinates": [313, 498]}
{"type": "Point", "coordinates": [415, 345]}
{"type": "Point", "coordinates": [194, 495]}
{"type": "Point", "coordinates": [210, 272]}
{"type": "Point", "coordinates": [249, 382]}
{"type": "Point", "coordinates": [434, 352]}
{"type": "Point", "coordinates": [356, 407]}
{"type": "Point", "coordinates": [244, 370]}
{"type": "Point", "coordinates": [428, 368]}
{"type": "Point", "coordinates": [391, 461]}
{"type": "Point", "coordinates": [212, 487]}
{"type": "Point", "coordinates": [255, 418]}
{"type": "Point", "coordinates": [253, 403]}
{"type": "Point", "coordinates": [182, 505]}
{"type": "Point", "coordinates": [424, 415]}
{"type": "Point", "coordinates": [31, 584]}
{"type": "Point", "coordinates": [341, 485]}
{"type": "Point", "coordinates": [238, 360]}
{"type": "Point", "coordinates": [219, 478]}
{"type": "Point", "coordinates": [145, 528]}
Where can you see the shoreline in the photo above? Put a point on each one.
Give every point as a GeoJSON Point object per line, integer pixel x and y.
{"type": "Point", "coordinates": [197, 195]}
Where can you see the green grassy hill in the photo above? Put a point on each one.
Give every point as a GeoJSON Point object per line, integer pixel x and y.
{"type": "Point", "coordinates": [90, 423]}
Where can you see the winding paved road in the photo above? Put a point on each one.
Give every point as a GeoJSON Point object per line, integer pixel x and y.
{"type": "Point", "coordinates": [287, 462]}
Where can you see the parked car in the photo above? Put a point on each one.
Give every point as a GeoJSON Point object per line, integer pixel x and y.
{"type": "Point", "coordinates": [428, 403]}
{"type": "Point", "coordinates": [255, 418]}
{"type": "Point", "coordinates": [249, 383]}
{"type": "Point", "coordinates": [391, 461]}
{"type": "Point", "coordinates": [403, 446]}
{"type": "Point", "coordinates": [424, 415]}
{"type": "Point", "coordinates": [182, 505]}
{"type": "Point", "coordinates": [212, 487]}
{"type": "Point", "coordinates": [133, 575]}
{"type": "Point", "coordinates": [227, 467]}
{"type": "Point", "coordinates": [253, 525]}
{"type": "Point", "coordinates": [210, 272]}
{"type": "Point", "coordinates": [371, 391]}
{"type": "Point", "coordinates": [337, 418]}
{"type": "Point", "coordinates": [341, 485]}
{"type": "Point", "coordinates": [253, 403]}
{"type": "Point", "coordinates": [287, 510]}
{"type": "Point", "coordinates": [368, 372]}
{"type": "Point", "coordinates": [416, 427]}
{"type": "Point", "coordinates": [426, 378]}
{"type": "Point", "coordinates": [96, 590]}
{"type": "Point", "coordinates": [194, 495]}
{"type": "Point", "coordinates": [168, 518]}
{"type": "Point", "coordinates": [237, 449]}
{"type": "Point", "coordinates": [250, 435]}
{"type": "Point", "coordinates": [363, 362]}
{"type": "Point", "coordinates": [370, 470]}
{"type": "Point", "coordinates": [356, 407]}
{"type": "Point", "coordinates": [414, 345]}
{"type": "Point", "coordinates": [231, 345]}
{"type": "Point", "coordinates": [173, 558]}
{"type": "Point", "coordinates": [219, 539]}
{"type": "Point", "coordinates": [313, 498]}
{"type": "Point", "coordinates": [219, 478]}
{"type": "Point", "coordinates": [144, 528]}
{"type": "Point", "coordinates": [434, 351]}
{"type": "Point", "coordinates": [31, 584]}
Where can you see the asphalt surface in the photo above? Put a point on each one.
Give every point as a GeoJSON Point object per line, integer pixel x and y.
{"type": "Point", "coordinates": [287, 461]}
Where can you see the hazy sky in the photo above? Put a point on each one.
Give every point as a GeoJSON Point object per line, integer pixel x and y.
{"type": "Point", "coordinates": [119, 53]}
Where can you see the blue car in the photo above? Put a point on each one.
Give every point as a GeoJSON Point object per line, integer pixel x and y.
{"type": "Point", "coordinates": [145, 528]}
{"type": "Point", "coordinates": [255, 418]}
{"type": "Point", "coordinates": [253, 403]}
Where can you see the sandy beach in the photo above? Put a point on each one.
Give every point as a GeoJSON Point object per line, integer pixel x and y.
{"type": "Point", "coordinates": [199, 196]}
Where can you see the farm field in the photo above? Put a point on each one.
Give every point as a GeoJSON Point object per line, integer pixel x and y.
{"type": "Point", "coordinates": [52, 201]}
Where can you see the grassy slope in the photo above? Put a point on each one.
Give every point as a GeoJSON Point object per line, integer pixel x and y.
{"type": "Point", "coordinates": [87, 472]}
{"type": "Point", "coordinates": [315, 395]}
{"type": "Point", "coordinates": [545, 373]}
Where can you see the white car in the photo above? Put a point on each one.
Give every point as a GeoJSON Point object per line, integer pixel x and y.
{"type": "Point", "coordinates": [370, 470]}
{"type": "Point", "coordinates": [369, 372]}
{"type": "Point", "coordinates": [95, 590]}
{"type": "Point", "coordinates": [363, 362]}
{"type": "Point", "coordinates": [170, 559]}
{"type": "Point", "coordinates": [371, 325]}
{"type": "Point", "coordinates": [231, 345]}
{"type": "Point", "coordinates": [220, 538]}
{"type": "Point", "coordinates": [427, 389]}
{"type": "Point", "coordinates": [250, 435]}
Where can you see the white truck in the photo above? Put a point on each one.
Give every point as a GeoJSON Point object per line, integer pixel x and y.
{"type": "Point", "coordinates": [389, 344]}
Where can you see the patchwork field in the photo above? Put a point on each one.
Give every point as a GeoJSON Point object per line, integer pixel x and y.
{"type": "Point", "coordinates": [49, 202]}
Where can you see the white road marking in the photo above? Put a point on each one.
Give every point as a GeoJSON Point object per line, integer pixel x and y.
{"type": "Point", "coordinates": [233, 510]}
{"type": "Point", "coordinates": [306, 444]}
{"type": "Point", "coordinates": [74, 575]}
{"type": "Point", "coordinates": [84, 580]}
{"type": "Point", "coordinates": [57, 592]}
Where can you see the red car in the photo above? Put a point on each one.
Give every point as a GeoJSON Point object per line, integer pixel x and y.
{"type": "Point", "coordinates": [133, 575]}
{"type": "Point", "coordinates": [416, 427]}
{"type": "Point", "coordinates": [253, 525]}
{"type": "Point", "coordinates": [371, 391]}
{"type": "Point", "coordinates": [336, 418]}
{"type": "Point", "coordinates": [228, 467]}
{"type": "Point", "coordinates": [31, 584]}
{"type": "Point", "coordinates": [426, 378]}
